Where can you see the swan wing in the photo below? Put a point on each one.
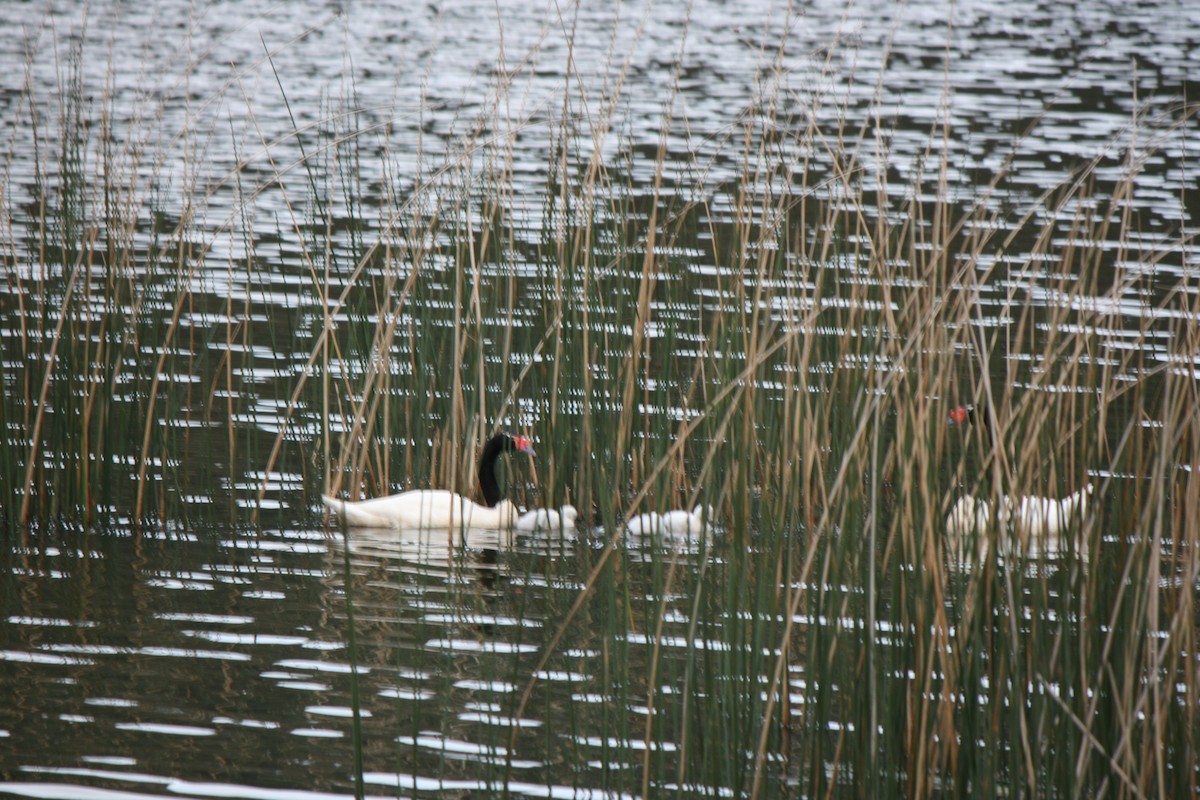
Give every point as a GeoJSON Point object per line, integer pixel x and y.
{"type": "Point", "coordinates": [569, 516]}
{"type": "Point", "coordinates": [647, 524]}
{"type": "Point", "coordinates": [539, 519]}
{"type": "Point", "coordinates": [424, 509]}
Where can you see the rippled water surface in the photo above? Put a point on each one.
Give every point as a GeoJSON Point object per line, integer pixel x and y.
{"type": "Point", "coordinates": [208, 654]}
{"type": "Point", "coordinates": [237, 668]}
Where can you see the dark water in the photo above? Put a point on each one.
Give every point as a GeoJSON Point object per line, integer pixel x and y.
{"type": "Point", "coordinates": [214, 662]}
{"type": "Point", "coordinates": [235, 668]}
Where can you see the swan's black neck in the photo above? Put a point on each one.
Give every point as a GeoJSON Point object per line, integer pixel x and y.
{"type": "Point", "coordinates": [500, 443]}
{"type": "Point", "coordinates": [978, 416]}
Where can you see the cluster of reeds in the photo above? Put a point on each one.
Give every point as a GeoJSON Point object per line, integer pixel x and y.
{"type": "Point", "coordinates": [800, 383]}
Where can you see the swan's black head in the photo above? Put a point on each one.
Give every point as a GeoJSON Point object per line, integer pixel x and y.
{"type": "Point", "coordinates": [500, 443]}
{"type": "Point", "coordinates": [973, 415]}
{"type": "Point", "coordinates": [517, 444]}
{"type": "Point", "coordinates": [963, 415]}
{"type": "Point", "coordinates": [504, 443]}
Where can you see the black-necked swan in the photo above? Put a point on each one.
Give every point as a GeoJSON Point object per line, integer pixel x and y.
{"type": "Point", "coordinates": [547, 519]}
{"type": "Point", "coordinates": [438, 508]}
{"type": "Point", "coordinates": [1038, 524]}
{"type": "Point", "coordinates": [672, 523]}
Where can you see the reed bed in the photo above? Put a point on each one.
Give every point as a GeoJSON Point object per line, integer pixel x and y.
{"type": "Point", "coordinates": [196, 362]}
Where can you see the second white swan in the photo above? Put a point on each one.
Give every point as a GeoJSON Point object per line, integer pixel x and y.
{"type": "Point", "coordinates": [547, 519]}
{"type": "Point", "coordinates": [1036, 524]}
{"type": "Point", "coordinates": [672, 523]}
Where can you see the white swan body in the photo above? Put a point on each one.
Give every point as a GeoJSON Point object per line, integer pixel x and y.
{"type": "Point", "coordinates": [1045, 518]}
{"type": "Point", "coordinates": [423, 508]}
{"type": "Point", "coordinates": [547, 519]}
{"type": "Point", "coordinates": [671, 523]}
{"type": "Point", "coordinates": [968, 517]}
{"type": "Point", "coordinates": [1037, 523]}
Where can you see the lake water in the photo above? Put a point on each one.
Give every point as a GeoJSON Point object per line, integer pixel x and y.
{"type": "Point", "coordinates": [207, 652]}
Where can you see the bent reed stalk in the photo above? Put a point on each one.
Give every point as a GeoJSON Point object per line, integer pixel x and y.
{"type": "Point", "coordinates": [799, 383]}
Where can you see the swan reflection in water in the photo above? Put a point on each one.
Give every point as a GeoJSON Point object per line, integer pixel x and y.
{"type": "Point", "coordinates": [423, 554]}
{"type": "Point", "coordinates": [445, 550]}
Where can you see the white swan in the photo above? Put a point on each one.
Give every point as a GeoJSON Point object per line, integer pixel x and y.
{"type": "Point", "coordinates": [672, 523]}
{"type": "Point", "coordinates": [438, 508]}
{"type": "Point", "coordinates": [425, 509]}
{"type": "Point", "coordinates": [547, 519]}
{"type": "Point", "coordinates": [1037, 524]}
{"type": "Point", "coordinates": [1044, 518]}
{"type": "Point", "coordinates": [968, 517]}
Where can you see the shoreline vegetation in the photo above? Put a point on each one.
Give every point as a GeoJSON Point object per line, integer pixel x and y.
{"type": "Point", "coordinates": [182, 352]}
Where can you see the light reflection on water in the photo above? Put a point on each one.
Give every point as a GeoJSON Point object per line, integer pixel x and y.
{"type": "Point", "coordinates": [439, 633]}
